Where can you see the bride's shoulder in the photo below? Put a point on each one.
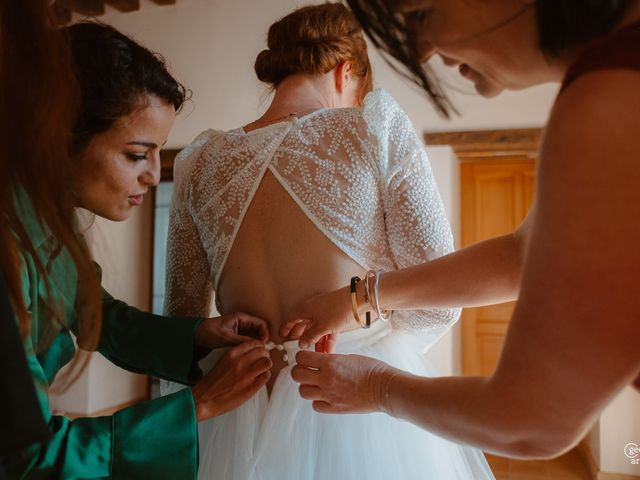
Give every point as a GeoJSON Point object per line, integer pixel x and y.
{"type": "Point", "coordinates": [379, 101]}
{"type": "Point", "coordinates": [382, 112]}
{"type": "Point", "coordinates": [188, 156]}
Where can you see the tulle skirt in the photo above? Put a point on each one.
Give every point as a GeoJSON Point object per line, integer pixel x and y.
{"type": "Point", "coordinates": [283, 438]}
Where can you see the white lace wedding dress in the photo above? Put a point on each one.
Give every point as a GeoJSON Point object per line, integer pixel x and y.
{"type": "Point", "coordinates": [361, 175]}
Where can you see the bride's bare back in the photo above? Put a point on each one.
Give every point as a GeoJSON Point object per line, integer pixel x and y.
{"type": "Point", "coordinates": [279, 258]}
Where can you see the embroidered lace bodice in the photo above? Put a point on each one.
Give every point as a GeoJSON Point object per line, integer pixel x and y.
{"type": "Point", "coordinates": [361, 175]}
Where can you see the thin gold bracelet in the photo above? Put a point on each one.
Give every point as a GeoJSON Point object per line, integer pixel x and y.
{"type": "Point", "coordinates": [368, 289]}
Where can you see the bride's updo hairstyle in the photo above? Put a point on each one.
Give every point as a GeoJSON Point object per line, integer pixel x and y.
{"type": "Point", "coordinates": [313, 40]}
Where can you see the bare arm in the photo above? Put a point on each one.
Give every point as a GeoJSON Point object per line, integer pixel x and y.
{"type": "Point", "coordinates": [572, 343]}
{"type": "Point", "coordinates": [482, 274]}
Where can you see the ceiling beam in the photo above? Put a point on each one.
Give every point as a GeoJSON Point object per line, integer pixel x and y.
{"type": "Point", "coordinates": [494, 143]}
{"type": "Point", "coordinates": [90, 8]}
{"type": "Point", "coordinates": [124, 5]}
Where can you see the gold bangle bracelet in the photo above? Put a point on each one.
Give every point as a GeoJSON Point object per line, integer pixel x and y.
{"type": "Point", "coordinates": [354, 305]}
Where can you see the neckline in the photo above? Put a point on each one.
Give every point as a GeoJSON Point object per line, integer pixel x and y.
{"type": "Point", "coordinates": [295, 119]}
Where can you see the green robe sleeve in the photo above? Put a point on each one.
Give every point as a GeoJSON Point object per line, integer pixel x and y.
{"type": "Point", "coordinates": [150, 344]}
{"type": "Point", "coordinates": [155, 439]}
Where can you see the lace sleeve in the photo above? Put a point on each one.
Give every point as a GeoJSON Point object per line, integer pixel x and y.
{"type": "Point", "coordinates": [416, 222]}
{"type": "Point", "coordinates": [188, 284]}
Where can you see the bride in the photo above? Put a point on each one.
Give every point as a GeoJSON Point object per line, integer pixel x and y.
{"type": "Point", "coordinates": [330, 183]}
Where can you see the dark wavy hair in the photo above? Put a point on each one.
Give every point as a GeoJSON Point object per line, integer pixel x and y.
{"type": "Point", "coordinates": [115, 75]}
{"type": "Point", "coordinates": [562, 25]}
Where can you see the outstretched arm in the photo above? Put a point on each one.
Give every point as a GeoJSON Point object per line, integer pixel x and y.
{"type": "Point", "coordinates": [482, 274]}
{"type": "Point", "coordinates": [486, 273]}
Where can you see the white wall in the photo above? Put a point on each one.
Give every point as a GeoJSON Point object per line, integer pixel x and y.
{"type": "Point", "coordinates": [620, 425]}
{"type": "Point", "coordinates": [123, 251]}
{"type": "Point", "coordinates": [211, 46]}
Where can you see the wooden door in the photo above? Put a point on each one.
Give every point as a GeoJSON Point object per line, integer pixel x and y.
{"type": "Point", "coordinates": [496, 194]}
{"type": "Point", "coordinates": [497, 174]}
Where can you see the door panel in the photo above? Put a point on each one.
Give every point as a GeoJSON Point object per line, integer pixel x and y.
{"type": "Point", "coordinates": [496, 195]}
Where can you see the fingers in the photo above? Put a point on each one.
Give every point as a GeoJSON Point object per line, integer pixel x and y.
{"type": "Point", "coordinates": [287, 327]}
{"type": "Point", "coordinates": [256, 385]}
{"type": "Point", "coordinates": [249, 323]}
{"type": "Point", "coordinates": [321, 346]}
{"type": "Point", "coordinates": [331, 341]}
{"type": "Point", "coordinates": [235, 339]}
{"type": "Point", "coordinates": [246, 335]}
{"type": "Point", "coordinates": [324, 407]}
{"type": "Point", "coordinates": [246, 354]}
{"type": "Point", "coordinates": [310, 359]}
{"type": "Point", "coordinates": [310, 392]}
{"type": "Point", "coordinates": [244, 393]}
{"type": "Point", "coordinates": [312, 335]}
{"type": "Point", "coordinates": [299, 329]}
{"type": "Point", "coordinates": [262, 379]}
{"type": "Point", "coordinates": [259, 367]}
{"type": "Point", "coordinates": [252, 356]}
{"type": "Point", "coordinates": [263, 332]}
{"type": "Point", "coordinates": [246, 347]}
{"type": "Point", "coordinates": [305, 375]}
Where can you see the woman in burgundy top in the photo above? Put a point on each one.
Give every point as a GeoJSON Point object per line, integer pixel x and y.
{"type": "Point", "coordinates": [573, 264]}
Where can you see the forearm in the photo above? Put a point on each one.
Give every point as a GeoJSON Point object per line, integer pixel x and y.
{"type": "Point", "coordinates": [150, 344]}
{"type": "Point", "coordinates": [472, 410]}
{"type": "Point", "coordinates": [482, 274]}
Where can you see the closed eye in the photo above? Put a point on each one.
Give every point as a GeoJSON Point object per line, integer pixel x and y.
{"type": "Point", "coordinates": [137, 157]}
{"type": "Point", "coordinates": [418, 18]}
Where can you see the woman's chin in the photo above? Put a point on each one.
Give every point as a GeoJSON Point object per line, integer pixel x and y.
{"type": "Point", "coordinates": [487, 89]}
{"type": "Point", "coordinates": [121, 216]}
{"type": "Point", "coordinates": [483, 86]}
{"type": "Point", "coordinates": [115, 215]}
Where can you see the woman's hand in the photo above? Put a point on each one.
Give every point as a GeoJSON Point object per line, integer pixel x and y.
{"type": "Point", "coordinates": [343, 383]}
{"type": "Point", "coordinates": [319, 319]}
{"type": "Point", "coordinates": [237, 376]}
{"type": "Point", "coordinates": [231, 329]}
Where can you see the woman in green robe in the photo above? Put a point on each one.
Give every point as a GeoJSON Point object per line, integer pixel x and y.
{"type": "Point", "coordinates": [127, 108]}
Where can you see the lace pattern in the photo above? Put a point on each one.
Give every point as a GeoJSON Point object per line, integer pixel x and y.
{"type": "Point", "coordinates": [361, 175]}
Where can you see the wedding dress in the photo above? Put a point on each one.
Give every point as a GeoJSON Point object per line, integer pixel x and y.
{"type": "Point", "coordinates": [361, 175]}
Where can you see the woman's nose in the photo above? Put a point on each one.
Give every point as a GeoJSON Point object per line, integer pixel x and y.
{"type": "Point", "coordinates": [151, 174]}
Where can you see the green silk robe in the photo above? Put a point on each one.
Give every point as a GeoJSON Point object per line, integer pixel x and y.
{"type": "Point", "coordinates": [156, 439]}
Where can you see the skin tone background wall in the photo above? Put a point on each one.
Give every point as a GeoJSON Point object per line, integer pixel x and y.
{"type": "Point", "coordinates": [211, 46]}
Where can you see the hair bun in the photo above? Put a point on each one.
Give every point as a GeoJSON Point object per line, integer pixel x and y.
{"type": "Point", "coordinates": [272, 66]}
{"type": "Point", "coordinates": [313, 40]}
